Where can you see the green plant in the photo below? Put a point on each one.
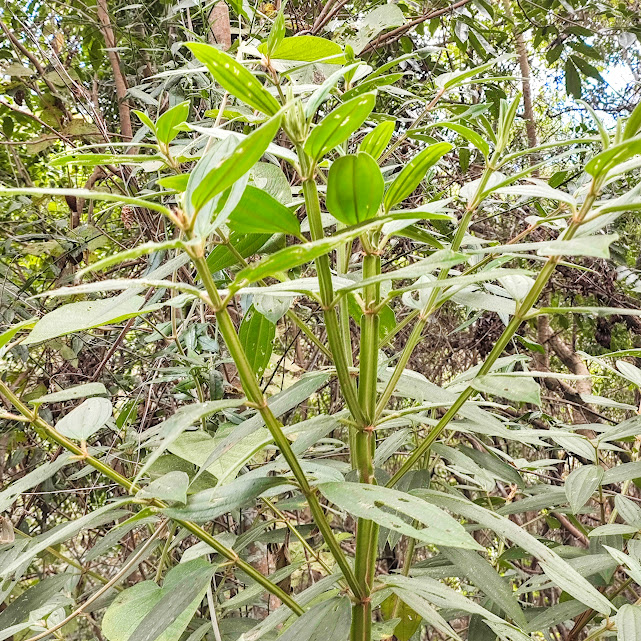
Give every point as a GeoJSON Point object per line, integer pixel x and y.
{"type": "Point", "coordinates": [215, 222]}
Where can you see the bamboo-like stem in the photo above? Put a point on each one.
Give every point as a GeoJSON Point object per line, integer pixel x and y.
{"type": "Point", "coordinates": [332, 325]}
{"type": "Point", "coordinates": [291, 314]}
{"type": "Point", "coordinates": [54, 436]}
{"type": "Point", "coordinates": [365, 446]}
{"type": "Point", "coordinates": [521, 314]}
{"type": "Point", "coordinates": [255, 396]}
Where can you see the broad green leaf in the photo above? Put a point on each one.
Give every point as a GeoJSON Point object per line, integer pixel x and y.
{"type": "Point", "coordinates": [561, 572]}
{"type": "Point", "coordinates": [245, 245]}
{"type": "Point", "coordinates": [338, 125]}
{"type": "Point", "coordinates": [507, 632]}
{"type": "Point", "coordinates": [586, 68]}
{"type": "Point", "coordinates": [366, 501]}
{"type": "Point", "coordinates": [494, 464]}
{"type": "Point", "coordinates": [86, 419]}
{"type": "Point", "coordinates": [597, 246]}
{"type": "Point", "coordinates": [412, 174]}
{"type": "Point", "coordinates": [330, 619]}
{"type": "Point", "coordinates": [285, 259]}
{"type": "Point", "coordinates": [169, 487]}
{"type": "Point", "coordinates": [630, 512]}
{"type": "Point", "coordinates": [259, 213]}
{"type": "Point", "coordinates": [166, 125]}
{"type": "Point", "coordinates": [221, 457]}
{"type": "Point", "coordinates": [306, 49]}
{"type": "Point", "coordinates": [215, 211]}
{"type": "Point", "coordinates": [581, 484]}
{"type": "Point", "coordinates": [250, 435]}
{"type": "Point", "coordinates": [257, 335]}
{"type": "Point", "coordinates": [515, 388]}
{"type": "Point", "coordinates": [376, 141]}
{"type": "Point", "coordinates": [72, 393]}
{"type": "Point", "coordinates": [322, 93]}
{"type": "Point", "coordinates": [145, 119]}
{"type": "Point", "coordinates": [166, 432]}
{"type": "Point", "coordinates": [354, 188]}
{"type": "Point", "coordinates": [147, 612]}
{"type": "Point", "coordinates": [465, 132]}
{"type": "Point", "coordinates": [628, 620]}
{"type": "Point", "coordinates": [210, 504]}
{"type": "Point", "coordinates": [7, 335]}
{"type": "Point", "coordinates": [572, 79]}
{"type": "Point", "coordinates": [633, 123]}
{"type": "Point", "coordinates": [613, 529]}
{"type": "Point", "coordinates": [233, 77]}
{"type": "Point", "coordinates": [394, 607]}
{"type": "Point", "coordinates": [632, 373]}
{"type": "Point", "coordinates": [226, 172]}
{"type": "Point", "coordinates": [134, 252]}
{"type": "Point", "coordinates": [83, 315]}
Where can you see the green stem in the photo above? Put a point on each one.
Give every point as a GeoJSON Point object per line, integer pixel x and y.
{"type": "Point", "coordinates": [54, 436]}
{"type": "Point", "coordinates": [334, 334]}
{"type": "Point", "coordinates": [364, 448]}
{"type": "Point", "coordinates": [256, 397]}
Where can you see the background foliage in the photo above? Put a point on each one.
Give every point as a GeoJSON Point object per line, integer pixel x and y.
{"type": "Point", "coordinates": [515, 510]}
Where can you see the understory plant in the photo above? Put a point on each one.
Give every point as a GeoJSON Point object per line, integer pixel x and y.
{"type": "Point", "coordinates": [342, 464]}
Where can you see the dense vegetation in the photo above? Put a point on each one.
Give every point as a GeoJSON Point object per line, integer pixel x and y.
{"type": "Point", "coordinates": [320, 321]}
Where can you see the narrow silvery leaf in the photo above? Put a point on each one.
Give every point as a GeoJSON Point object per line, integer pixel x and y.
{"type": "Point", "coordinates": [581, 485]}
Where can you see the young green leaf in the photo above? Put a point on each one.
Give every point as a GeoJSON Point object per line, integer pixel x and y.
{"type": "Point", "coordinates": [257, 335]}
{"type": "Point", "coordinates": [633, 123]}
{"type": "Point", "coordinates": [233, 77]}
{"type": "Point", "coordinates": [227, 171]}
{"type": "Point", "coordinates": [412, 174]}
{"type": "Point", "coordinates": [338, 125]}
{"type": "Point", "coordinates": [276, 34]}
{"type": "Point", "coordinates": [377, 140]}
{"type": "Point", "coordinates": [572, 79]}
{"type": "Point", "coordinates": [305, 49]}
{"type": "Point", "coordinates": [354, 188]}
{"type": "Point", "coordinates": [145, 119]}
{"type": "Point", "coordinates": [258, 213]}
{"type": "Point", "coordinates": [613, 156]}
{"type": "Point", "coordinates": [166, 125]}
{"type": "Point", "coordinates": [244, 245]}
